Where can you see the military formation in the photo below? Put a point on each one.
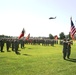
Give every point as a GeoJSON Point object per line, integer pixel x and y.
{"type": "Point", "coordinates": [15, 44]}
{"type": "Point", "coordinates": [44, 42]}
{"type": "Point", "coordinates": [11, 43]}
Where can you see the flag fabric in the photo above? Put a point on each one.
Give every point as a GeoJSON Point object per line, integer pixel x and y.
{"type": "Point", "coordinates": [28, 36]}
{"type": "Point", "coordinates": [72, 29]}
{"type": "Point", "coordinates": [22, 33]}
{"type": "Point", "coordinates": [56, 37]}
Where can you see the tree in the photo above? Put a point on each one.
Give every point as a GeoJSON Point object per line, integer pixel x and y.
{"type": "Point", "coordinates": [51, 36]}
{"type": "Point", "coordinates": [68, 36]}
{"type": "Point", "coordinates": [62, 35]}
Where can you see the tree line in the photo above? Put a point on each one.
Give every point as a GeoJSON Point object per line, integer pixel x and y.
{"type": "Point", "coordinates": [61, 36]}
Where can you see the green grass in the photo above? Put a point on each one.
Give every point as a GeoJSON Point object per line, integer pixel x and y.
{"type": "Point", "coordinates": [38, 60]}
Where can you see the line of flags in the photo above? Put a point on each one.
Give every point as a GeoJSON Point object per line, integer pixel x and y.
{"type": "Point", "coordinates": [72, 29]}
{"type": "Point", "coordinates": [72, 32]}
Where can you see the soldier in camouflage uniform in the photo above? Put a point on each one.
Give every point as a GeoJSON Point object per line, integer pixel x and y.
{"type": "Point", "coordinates": [7, 45]}
{"type": "Point", "coordinates": [13, 44]}
{"type": "Point", "coordinates": [68, 49]}
{"type": "Point", "coordinates": [16, 46]}
{"type": "Point", "coordinates": [65, 44]}
{"type": "Point", "coordinates": [2, 44]}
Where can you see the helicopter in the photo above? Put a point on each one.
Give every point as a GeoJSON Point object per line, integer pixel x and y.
{"type": "Point", "coordinates": [52, 18]}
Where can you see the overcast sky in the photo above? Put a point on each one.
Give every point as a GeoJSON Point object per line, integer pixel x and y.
{"type": "Point", "coordinates": [33, 15]}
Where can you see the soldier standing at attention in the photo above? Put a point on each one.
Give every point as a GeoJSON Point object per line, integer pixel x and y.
{"type": "Point", "coordinates": [69, 49]}
{"type": "Point", "coordinates": [13, 44]}
{"type": "Point", "coordinates": [7, 45]}
{"type": "Point", "coordinates": [65, 44]}
{"type": "Point", "coordinates": [2, 44]}
{"type": "Point", "coordinates": [21, 42]}
{"type": "Point", "coordinates": [16, 46]}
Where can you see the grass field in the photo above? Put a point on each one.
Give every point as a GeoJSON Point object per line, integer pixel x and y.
{"type": "Point", "coordinates": [38, 60]}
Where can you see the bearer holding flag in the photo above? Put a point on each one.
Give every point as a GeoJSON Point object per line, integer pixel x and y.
{"type": "Point", "coordinates": [22, 33]}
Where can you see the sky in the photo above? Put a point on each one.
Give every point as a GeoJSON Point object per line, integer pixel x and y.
{"type": "Point", "coordinates": [33, 16]}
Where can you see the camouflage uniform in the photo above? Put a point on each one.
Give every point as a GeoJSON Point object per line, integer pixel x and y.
{"type": "Point", "coordinates": [69, 49]}
{"type": "Point", "coordinates": [2, 44]}
{"type": "Point", "coordinates": [13, 44]}
{"type": "Point", "coordinates": [7, 45]}
{"type": "Point", "coordinates": [16, 46]}
{"type": "Point", "coordinates": [65, 44]}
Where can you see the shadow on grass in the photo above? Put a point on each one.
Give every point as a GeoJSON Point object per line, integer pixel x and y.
{"type": "Point", "coordinates": [19, 50]}
{"type": "Point", "coordinates": [8, 51]}
{"type": "Point", "coordinates": [23, 47]}
{"type": "Point", "coordinates": [53, 46]}
{"type": "Point", "coordinates": [72, 60]}
{"type": "Point", "coordinates": [18, 53]}
{"type": "Point", "coordinates": [26, 54]}
{"type": "Point", "coordinates": [29, 48]}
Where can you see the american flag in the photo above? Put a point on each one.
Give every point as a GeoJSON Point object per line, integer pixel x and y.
{"type": "Point", "coordinates": [73, 29]}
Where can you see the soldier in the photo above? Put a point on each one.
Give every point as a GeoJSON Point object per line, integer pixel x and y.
{"type": "Point", "coordinates": [68, 49]}
{"type": "Point", "coordinates": [13, 44]}
{"type": "Point", "coordinates": [2, 44]}
{"type": "Point", "coordinates": [52, 42]}
{"type": "Point", "coordinates": [16, 46]}
{"type": "Point", "coordinates": [22, 43]}
{"type": "Point", "coordinates": [7, 45]}
{"type": "Point", "coordinates": [65, 44]}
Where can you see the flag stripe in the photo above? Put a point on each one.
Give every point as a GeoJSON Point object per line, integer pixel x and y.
{"type": "Point", "coordinates": [73, 29]}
